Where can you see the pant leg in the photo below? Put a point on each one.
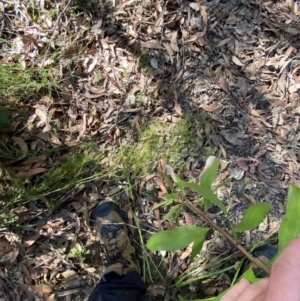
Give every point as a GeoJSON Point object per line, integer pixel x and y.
{"type": "Point", "coordinates": [128, 287]}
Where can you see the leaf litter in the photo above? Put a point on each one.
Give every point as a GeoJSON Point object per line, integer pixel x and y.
{"type": "Point", "coordinates": [235, 63]}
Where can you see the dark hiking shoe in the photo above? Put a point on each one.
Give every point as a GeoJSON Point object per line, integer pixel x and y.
{"type": "Point", "coordinates": [264, 253]}
{"type": "Point", "coordinates": [111, 228]}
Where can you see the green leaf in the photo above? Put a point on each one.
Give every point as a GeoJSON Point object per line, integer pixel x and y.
{"type": "Point", "coordinates": [197, 246]}
{"type": "Point", "coordinates": [207, 203]}
{"type": "Point", "coordinates": [208, 175]}
{"type": "Point", "coordinates": [221, 295]}
{"type": "Point", "coordinates": [172, 197]}
{"type": "Point", "coordinates": [176, 239]}
{"type": "Point", "coordinates": [249, 275]}
{"type": "Point", "coordinates": [173, 213]}
{"type": "Point", "coordinates": [210, 171]}
{"type": "Point", "coordinates": [169, 198]}
{"type": "Point", "coordinates": [206, 193]}
{"type": "Point", "coordinates": [180, 184]}
{"type": "Point", "coordinates": [253, 216]}
{"type": "Point", "coordinates": [290, 224]}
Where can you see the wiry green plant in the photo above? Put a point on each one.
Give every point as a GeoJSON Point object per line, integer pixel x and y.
{"type": "Point", "coordinates": [182, 236]}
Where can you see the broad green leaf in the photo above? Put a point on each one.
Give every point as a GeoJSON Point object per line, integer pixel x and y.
{"type": "Point", "coordinates": [206, 193]}
{"type": "Point", "coordinates": [210, 171]}
{"type": "Point", "coordinates": [249, 275]}
{"type": "Point", "coordinates": [169, 198]}
{"type": "Point", "coordinates": [208, 175]}
{"type": "Point", "coordinates": [176, 239]}
{"type": "Point", "coordinates": [173, 213]}
{"type": "Point", "coordinates": [253, 216]}
{"type": "Point", "coordinates": [197, 246]}
{"type": "Point", "coordinates": [290, 224]}
{"type": "Point", "coordinates": [172, 196]}
{"type": "Point", "coordinates": [180, 185]}
{"type": "Point", "coordinates": [207, 203]}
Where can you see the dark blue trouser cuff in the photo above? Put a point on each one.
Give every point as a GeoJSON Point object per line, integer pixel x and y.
{"type": "Point", "coordinates": [128, 287]}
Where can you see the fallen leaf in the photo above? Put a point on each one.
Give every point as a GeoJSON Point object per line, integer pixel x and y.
{"type": "Point", "coordinates": [30, 241]}
{"type": "Point", "coordinates": [188, 218]}
{"type": "Point", "coordinates": [223, 84]}
{"type": "Point", "coordinates": [237, 61]}
{"type": "Point", "coordinates": [69, 274]}
{"type": "Point", "coordinates": [30, 173]}
{"type": "Point", "coordinates": [208, 108]}
{"type": "Point", "coordinates": [152, 45]}
{"type": "Point", "coordinates": [224, 42]}
{"type": "Point", "coordinates": [11, 256]}
{"type": "Point", "coordinates": [174, 44]}
{"type": "Point", "coordinates": [22, 144]}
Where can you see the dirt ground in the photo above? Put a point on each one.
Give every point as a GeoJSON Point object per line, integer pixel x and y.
{"type": "Point", "coordinates": [230, 70]}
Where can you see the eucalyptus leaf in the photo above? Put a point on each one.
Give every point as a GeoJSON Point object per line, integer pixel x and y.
{"type": "Point", "coordinates": [176, 239]}
{"type": "Point", "coordinates": [253, 216]}
{"type": "Point", "coordinates": [290, 224]}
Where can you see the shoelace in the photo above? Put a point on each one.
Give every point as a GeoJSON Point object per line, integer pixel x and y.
{"type": "Point", "coordinates": [115, 254]}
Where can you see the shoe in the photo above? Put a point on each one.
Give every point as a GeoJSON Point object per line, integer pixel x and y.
{"type": "Point", "coordinates": [113, 234]}
{"type": "Point", "coordinates": [264, 253]}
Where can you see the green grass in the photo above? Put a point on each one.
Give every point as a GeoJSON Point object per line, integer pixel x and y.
{"type": "Point", "coordinates": [18, 84]}
{"type": "Point", "coordinates": [81, 164]}
{"type": "Point", "coordinates": [77, 253]}
{"type": "Point", "coordinates": [158, 141]}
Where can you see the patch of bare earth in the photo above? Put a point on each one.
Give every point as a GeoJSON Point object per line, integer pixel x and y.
{"type": "Point", "coordinates": [119, 65]}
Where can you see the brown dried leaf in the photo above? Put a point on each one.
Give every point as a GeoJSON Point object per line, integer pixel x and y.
{"type": "Point", "coordinates": [22, 144]}
{"type": "Point", "coordinates": [152, 45]}
{"type": "Point", "coordinates": [161, 185]}
{"type": "Point", "coordinates": [174, 44]}
{"type": "Point", "coordinates": [69, 274]}
{"type": "Point", "coordinates": [11, 256]}
{"type": "Point", "coordinates": [31, 240]}
{"type": "Point", "coordinates": [224, 42]}
{"type": "Point", "coordinates": [223, 84]}
{"type": "Point", "coordinates": [188, 218]}
{"type": "Point", "coordinates": [177, 107]}
{"type": "Point", "coordinates": [4, 247]}
{"type": "Point", "coordinates": [208, 108]}
{"type": "Point", "coordinates": [203, 14]}
{"type": "Point", "coordinates": [30, 173]}
{"type": "Point", "coordinates": [237, 61]}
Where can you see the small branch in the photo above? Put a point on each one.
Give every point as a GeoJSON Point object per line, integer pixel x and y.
{"type": "Point", "coordinates": [254, 260]}
{"type": "Point", "coordinates": [53, 32]}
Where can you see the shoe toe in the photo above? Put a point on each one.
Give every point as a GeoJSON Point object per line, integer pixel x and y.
{"type": "Point", "coordinates": [103, 209]}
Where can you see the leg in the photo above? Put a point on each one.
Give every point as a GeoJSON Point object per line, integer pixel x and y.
{"type": "Point", "coordinates": [121, 280]}
{"type": "Point", "coordinates": [129, 287]}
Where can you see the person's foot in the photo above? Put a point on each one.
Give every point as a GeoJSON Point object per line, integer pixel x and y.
{"type": "Point", "coordinates": [111, 228]}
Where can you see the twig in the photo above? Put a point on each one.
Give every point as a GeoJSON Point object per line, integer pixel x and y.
{"type": "Point", "coordinates": [254, 260]}
{"type": "Point", "coordinates": [54, 29]}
